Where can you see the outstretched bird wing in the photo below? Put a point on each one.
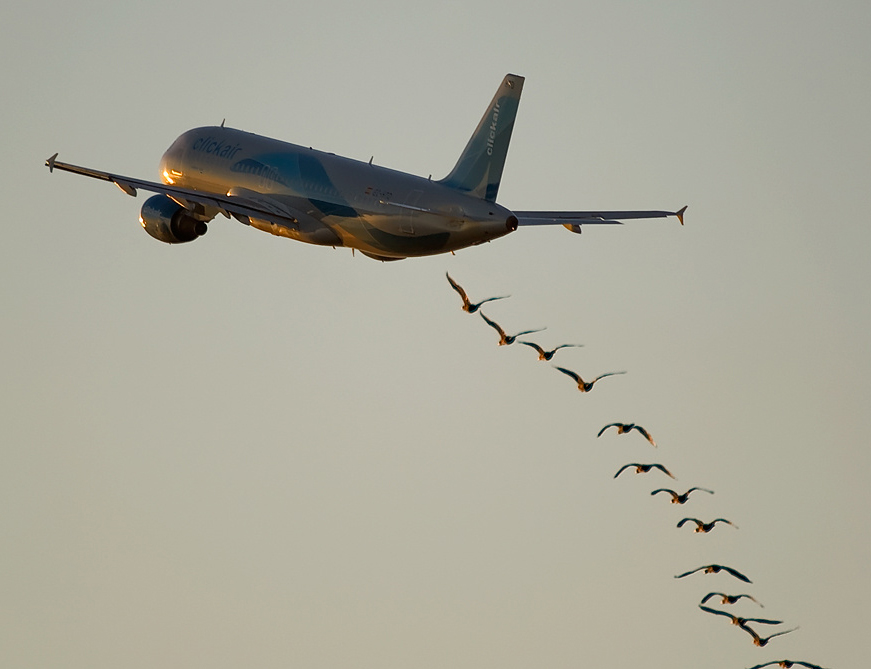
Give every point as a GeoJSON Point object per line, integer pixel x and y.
{"type": "Point", "coordinates": [570, 373]}
{"type": "Point", "coordinates": [716, 612]}
{"type": "Point", "coordinates": [620, 471]}
{"type": "Point", "coordinates": [711, 594]}
{"type": "Point", "coordinates": [692, 571]}
{"type": "Point", "coordinates": [457, 287]}
{"type": "Point", "coordinates": [526, 332]}
{"type": "Point", "coordinates": [493, 324]}
{"type": "Point", "coordinates": [490, 299]}
{"type": "Point", "coordinates": [664, 470]}
{"type": "Point", "coordinates": [602, 376]}
{"type": "Point", "coordinates": [737, 574]}
{"type": "Point", "coordinates": [686, 520]}
{"type": "Point", "coordinates": [607, 426]}
{"type": "Point", "coordinates": [768, 638]}
{"type": "Point", "coordinates": [764, 621]}
{"type": "Point", "coordinates": [645, 433]}
{"type": "Point", "coordinates": [533, 345]}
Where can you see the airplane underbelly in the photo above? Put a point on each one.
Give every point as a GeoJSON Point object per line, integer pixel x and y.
{"type": "Point", "coordinates": [422, 235]}
{"type": "Point", "coordinates": [392, 236]}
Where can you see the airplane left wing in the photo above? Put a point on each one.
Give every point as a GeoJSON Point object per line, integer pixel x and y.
{"type": "Point", "coordinates": [574, 219]}
{"type": "Point", "coordinates": [241, 204]}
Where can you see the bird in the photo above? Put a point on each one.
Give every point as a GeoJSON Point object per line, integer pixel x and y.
{"type": "Point", "coordinates": [643, 469]}
{"type": "Point", "coordinates": [706, 527]}
{"type": "Point", "coordinates": [729, 599]}
{"type": "Point", "coordinates": [760, 640]}
{"type": "Point", "coordinates": [468, 306]}
{"type": "Point", "coordinates": [584, 386]}
{"type": "Point", "coordinates": [623, 428]}
{"type": "Point", "coordinates": [547, 355]}
{"type": "Point", "coordinates": [716, 568]}
{"type": "Point", "coordinates": [680, 499]}
{"type": "Point", "coordinates": [740, 621]}
{"type": "Point", "coordinates": [786, 664]}
{"type": "Point", "coordinates": [504, 339]}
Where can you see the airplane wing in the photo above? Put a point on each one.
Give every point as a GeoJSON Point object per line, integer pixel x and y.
{"type": "Point", "coordinates": [241, 204]}
{"type": "Point", "coordinates": [574, 219]}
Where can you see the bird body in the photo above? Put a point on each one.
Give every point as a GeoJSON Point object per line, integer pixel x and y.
{"type": "Point", "coordinates": [623, 428]}
{"type": "Point", "coordinates": [763, 640]}
{"type": "Point", "coordinates": [643, 469]}
{"type": "Point", "coordinates": [584, 386]}
{"type": "Point", "coordinates": [740, 621]}
{"type": "Point", "coordinates": [680, 499]}
{"type": "Point", "coordinates": [786, 664]}
{"type": "Point", "coordinates": [706, 527]}
{"type": "Point", "coordinates": [504, 339]}
{"type": "Point", "coordinates": [547, 355]}
{"type": "Point", "coordinates": [728, 599]}
{"type": "Point", "coordinates": [716, 568]}
{"type": "Point", "coordinates": [470, 307]}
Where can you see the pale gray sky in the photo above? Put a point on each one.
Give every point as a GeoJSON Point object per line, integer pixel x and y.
{"type": "Point", "coordinates": [252, 452]}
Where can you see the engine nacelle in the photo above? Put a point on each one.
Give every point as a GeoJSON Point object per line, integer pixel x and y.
{"type": "Point", "coordinates": [166, 220]}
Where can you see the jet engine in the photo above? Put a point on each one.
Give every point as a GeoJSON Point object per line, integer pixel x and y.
{"type": "Point", "coordinates": [166, 220]}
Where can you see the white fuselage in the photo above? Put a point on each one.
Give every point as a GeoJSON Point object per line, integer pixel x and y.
{"type": "Point", "coordinates": [342, 202]}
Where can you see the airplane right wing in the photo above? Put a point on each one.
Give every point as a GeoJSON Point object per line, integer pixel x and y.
{"type": "Point", "coordinates": [244, 205]}
{"type": "Point", "coordinates": [573, 220]}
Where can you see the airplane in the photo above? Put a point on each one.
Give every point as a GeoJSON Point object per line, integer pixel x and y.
{"type": "Point", "coordinates": [321, 198]}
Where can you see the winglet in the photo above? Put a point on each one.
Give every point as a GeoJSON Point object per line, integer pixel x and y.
{"type": "Point", "coordinates": [50, 163]}
{"type": "Point", "coordinates": [679, 213]}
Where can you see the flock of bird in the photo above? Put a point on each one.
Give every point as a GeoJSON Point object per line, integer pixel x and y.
{"type": "Point", "coordinates": [642, 468]}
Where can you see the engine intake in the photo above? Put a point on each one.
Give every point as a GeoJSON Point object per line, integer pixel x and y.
{"type": "Point", "coordinates": [169, 222]}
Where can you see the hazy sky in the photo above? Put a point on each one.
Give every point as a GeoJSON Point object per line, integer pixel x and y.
{"type": "Point", "coordinates": [248, 451]}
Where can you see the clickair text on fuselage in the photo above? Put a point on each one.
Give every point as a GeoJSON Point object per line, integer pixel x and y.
{"type": "Point", "coordinates": [216, 147]}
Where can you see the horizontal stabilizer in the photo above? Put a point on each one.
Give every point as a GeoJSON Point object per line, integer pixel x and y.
{"type": "Point", "coordinates": [575, 218]}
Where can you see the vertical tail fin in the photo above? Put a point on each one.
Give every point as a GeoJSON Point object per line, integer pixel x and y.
{"type": "Point", "coordinates": [479, 169]}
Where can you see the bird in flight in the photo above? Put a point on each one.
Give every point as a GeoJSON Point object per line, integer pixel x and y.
{"type": "Point", "coordinates": [547, 355]}
{"type": "Point", "coordinates": [468, 306]}
{"type": "Point", "coordinates": [706, 527]}
{"type": "Point", "coordinates": [623, 428]}
{"type": "Point", "coordinates": [504, 339]}
{"type": "Point", "coordinates": [643, 469]}
{"type": "Point", "coordinates": [763, 640]}
{"type": "Point", "coordinates": [740, 621]}
{"type": "Point", "coordinates": [716, 568]}
{"type": "Point", "coordinates": [584, 386]}
{"type": "Point", "coordinates": [786, 664]}
{"type": "Point", "coordinates": [729, 599]}
{"type": "Point", "coordinates": [680, 499]}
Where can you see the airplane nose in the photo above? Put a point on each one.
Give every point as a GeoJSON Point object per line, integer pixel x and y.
{"type": "Point", "coordinates": [171, 164]}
